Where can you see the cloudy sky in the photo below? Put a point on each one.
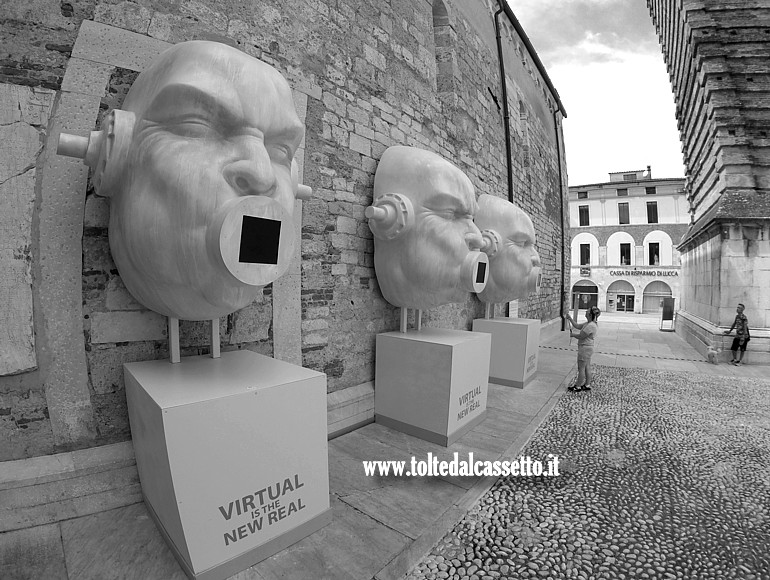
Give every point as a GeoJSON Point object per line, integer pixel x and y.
{"type": "Point", "coordinates": [604, 60]}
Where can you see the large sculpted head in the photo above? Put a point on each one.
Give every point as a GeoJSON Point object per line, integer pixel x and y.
{"type": "Point", "coordinates": [426, 246]}
{"type": "Point", "coordinates": [509, 236]}
{"type": "Point", "coordinates": [199, 167]}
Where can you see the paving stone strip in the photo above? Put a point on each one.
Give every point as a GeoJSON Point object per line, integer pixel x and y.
{"type": "Point", "coordinates": [658, 356]}
{"type": "Point", "coordinates": [663, 475]}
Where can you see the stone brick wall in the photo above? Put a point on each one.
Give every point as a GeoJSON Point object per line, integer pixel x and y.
{"type": "Point", "coordinates": [372, 75]}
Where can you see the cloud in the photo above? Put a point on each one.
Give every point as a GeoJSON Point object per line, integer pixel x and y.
{"type": "Point", "coordinates": [604, 59]}
{"type": "Point", "coordinates": [586, 30]}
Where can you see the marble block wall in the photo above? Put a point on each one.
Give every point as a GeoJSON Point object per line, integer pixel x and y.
{"type": "Point", "coordinates": [729, 264]}
{"type": "Point", "coordinates": [716, 55]}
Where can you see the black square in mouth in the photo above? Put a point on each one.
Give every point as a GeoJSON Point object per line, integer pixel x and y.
{"type": "Point", "coordinates": [481, 273]}
{"type": "Point", "coordinates": [259, 240]}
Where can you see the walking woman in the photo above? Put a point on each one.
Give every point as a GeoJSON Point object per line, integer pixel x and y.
{"type": "Point", "coordinates": [585, 338]}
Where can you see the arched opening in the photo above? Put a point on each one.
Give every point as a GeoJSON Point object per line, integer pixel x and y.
{"type": "Point", "coordinates": [621, 249]}
{"type": "Point", "coordinates": [584, 294]}
{"type": "Point", "coordinates": [654, 294]}
{"type": "Point", "coordinates": [585, 250]}
{"type": "Point", "coordinates": [658, 249]}
{"type": "Point", "coordinates": [621, 297]}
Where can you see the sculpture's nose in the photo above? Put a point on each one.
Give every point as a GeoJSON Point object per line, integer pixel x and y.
{"type": "Point", "coordinates": [535, 260]}
{"type": "Point", "coordinates": [253, 173]}
{"type": "Point", "coordinates": [474, 239]}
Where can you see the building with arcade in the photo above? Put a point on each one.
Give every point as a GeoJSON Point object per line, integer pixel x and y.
{"type": "Point", "coordinates": [623, 240]}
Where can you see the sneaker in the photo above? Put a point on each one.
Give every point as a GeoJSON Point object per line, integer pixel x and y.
{"type": "Point", "coordinates": [585, 388]}
{"type": "Point", "coordinates": [737, 363]}
{"type": "Point", "coordinates": [733, 361]}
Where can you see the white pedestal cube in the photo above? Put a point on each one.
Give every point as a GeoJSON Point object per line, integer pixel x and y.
{"type": "Point", "coordinates": [232, 456]}
{"type": "Point", "coordinates": [515, 345]}
{"type": "Point", "coordinates": [431, 383]}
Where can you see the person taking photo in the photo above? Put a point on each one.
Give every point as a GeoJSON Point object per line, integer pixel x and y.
{"type": "Point", "coordinates": [587, 333]}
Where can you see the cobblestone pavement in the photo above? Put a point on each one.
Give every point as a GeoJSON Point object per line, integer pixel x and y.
{"type": "Point", "coordinates": [662, 475]}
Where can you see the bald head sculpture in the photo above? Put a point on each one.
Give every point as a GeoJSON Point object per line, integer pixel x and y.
{"type": "Point", "coordinates": [426, 246]}
{"type": "Point", "coordinates": [509, 241]}
{"type": "Point", "coordinates": [199, 167]}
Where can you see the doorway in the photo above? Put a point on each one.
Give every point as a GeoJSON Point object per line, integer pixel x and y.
{"type": "Point", "coordinates": [624, 303]}
{"type": "Point", "coordinates": [621, 297]}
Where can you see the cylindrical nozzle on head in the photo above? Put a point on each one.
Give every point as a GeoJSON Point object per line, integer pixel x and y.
{"type": "Point", "coordinates": [492, 242]}
{"type": "Point", "coordinates": [102, 150]}
{"type": "Point", "coordinates": [390, 215]}
{"type": "Point", "coordinates": [301, 191]}
{"type": "Point", "coordinates": [72, 145]}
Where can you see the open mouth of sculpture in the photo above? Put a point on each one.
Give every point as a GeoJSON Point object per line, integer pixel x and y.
{"type": "Point", "coordinates": [481, 273]}
{"type": "Point", "coordinates": [535, 280]}
{"type": "Point", "coordinates": [260, 239]}
{"type": "Point", "coordinates": [475, 271]}
{"type": "Point", "coordinates": [254, 238]}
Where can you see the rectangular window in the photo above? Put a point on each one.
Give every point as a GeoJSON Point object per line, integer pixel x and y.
{"type": "Point", "coordinates": [625, 254]}
{"type": "Point", "coordinates": [623, 213]}
{"type": "Point", "coordinates": [629, 177]}
{"type": "Point", "coordinates": [622, 192]}
{"type": "Point", "coordinates": [650, 190]}
{"type": "Point", "coordinates": [652, 212]}
{"type": "Point", "coordinates": [583, 209]}
{"type": "Point", "coordinates": [654, 254]}
{"type": "Point", "coordinates": [582, 195]}
{"type": "Point", "coordinates": [585, 254]}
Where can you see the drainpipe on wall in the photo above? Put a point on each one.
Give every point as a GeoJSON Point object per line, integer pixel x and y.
{"type": "Point", "coordinates": [506, 113]}
{"type": "Point", "coordinates": [561, 213]}
{"type": "Point", "coordinates": [506, 116]}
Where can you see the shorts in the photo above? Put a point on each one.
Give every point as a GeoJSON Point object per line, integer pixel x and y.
{"type": "Point", "coordinates": [585, 353]}
{"type": "Point", "coordinates": [737, 343]}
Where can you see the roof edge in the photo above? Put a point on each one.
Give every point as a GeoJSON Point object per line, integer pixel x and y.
{"type": "Point", "coordinates": [628, 183]}
{"type": "Point", "coordinates": [532, 53]}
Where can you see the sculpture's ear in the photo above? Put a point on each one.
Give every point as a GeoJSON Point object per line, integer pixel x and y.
{"type": "Point", "coordinates": [301, 191]}
{"type": "Point", "coordinates": [102, 150]}
{"type": "Point", "coordinates": [390, 216]}
{"type": "Point", "coordinates": [493, 241]}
